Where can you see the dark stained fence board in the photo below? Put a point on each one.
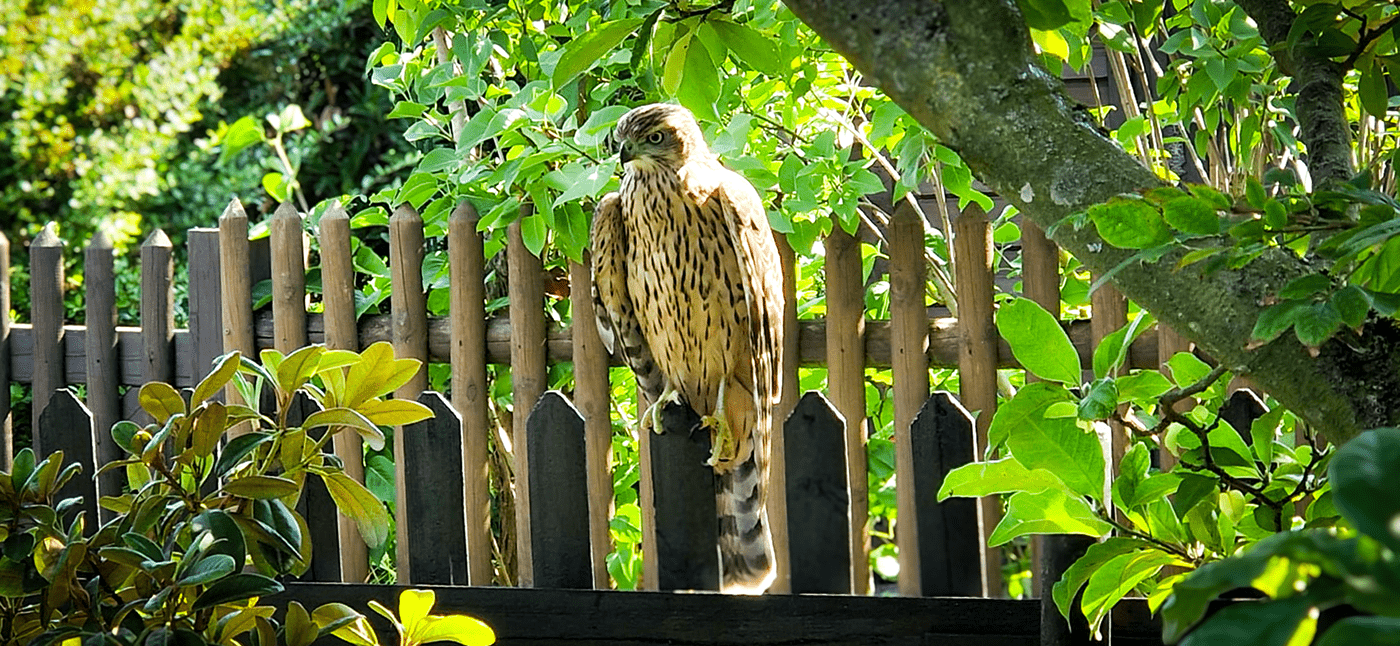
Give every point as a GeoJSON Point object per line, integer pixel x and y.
{"type": "Point", "coordinates": [559, 529]}
{"type": "Point", "coordinates": [102, 371]}
{"type": "Point", "coordinates": [316, 505]}
{"type": "Point", "coordinates": [46, 310]}
{"type": "Point", "coordinates": [818, 498]}
{"type": "Point", "coordinates": [66, 425]}
{"type": "Point", "coordinates": [942, 438]}
{"type": "Point", "coordinates": [687, 541]}
{"type": "Point", "coordinates": [432, 495]}
{"type": "Point", "coordinates": [1061, 551]}
{"type": "Point", "coordinates": [538, 617]}
{"type": "Point", "coordinates": [205, 308]}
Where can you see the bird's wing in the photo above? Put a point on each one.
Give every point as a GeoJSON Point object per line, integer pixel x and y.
{"type": "Point", "coordinates": [618, 325]}
{"type": "Point", "coordinates": [762, 276]}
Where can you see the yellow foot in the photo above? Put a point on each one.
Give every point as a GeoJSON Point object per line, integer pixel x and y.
{"type": "Point", "coordinates": [725, 448]}
{"type": "Point", "coordinates": [651, 418]}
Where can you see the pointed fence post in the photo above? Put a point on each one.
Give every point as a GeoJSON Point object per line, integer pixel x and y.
{"type": "Point", "coordinates": [947, 539]}
{"type": "Point", "coordinates": [236, 291]}
{"type": "Point", "coordinates": [433, 504]}
{"type": "Point", "coordinates": [46, 314]}
{"type": "Point", "coordinates": [845, 354]}
{"type": "Point", "coordinates": [410, 334]}
{"type": "Point", "coordinates": [103, 367]}
{"type": "Point", "coordinates": [528, 374]}
{"type": "Point", "coordinates": [470, 389]}
{"type": "Point", "coordinates": [687, 529]}
{"type": "Point", "coordinates": [818, 498]}
{"type": "Point", "coordinates": [158, 309]}
{"type": "Point", "coordinates": [559, 529]}
{"type": "Point", "coordinates": [288, 279]}
{"type": "Point", "coordinates": [1240, 411]}
{"type": "Point", "coordinates": [66, 425]}
{"type": "Point", "coordinates": [342, 333]}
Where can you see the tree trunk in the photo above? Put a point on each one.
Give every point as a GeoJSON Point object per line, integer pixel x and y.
{"type": "Point", "coordinates": [965, 69]}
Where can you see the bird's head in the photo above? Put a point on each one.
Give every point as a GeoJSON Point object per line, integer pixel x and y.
{"type": "Point", "coordinates": [659, 134]}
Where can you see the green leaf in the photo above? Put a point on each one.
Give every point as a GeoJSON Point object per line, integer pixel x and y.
{"type": "Point", "coordinates": [350, 418]}
{"type": "Point", "coordinates": [261, 487]}
{"type": "Point", "coordinates": [1263, 623]}
{"type": "Point", "coordinates": [1057, 445]}
{"type": "Point", "coordinates": [236, 588]}
{"type": "Point", "coordinates": [581, 54]}
{"type": "Point", "coordinates": [355, 501]}
{"type": "Point", "coordinates": [1099, 401]}
{"type": "Point", "coordinates": [997, 476]}
{"type": "Point", "coordinates": [1373, 631]}
{"type": "Point", "coordinates": [1275, 320]}
{"type": "Point", "coordinates": [219, 376]}
{"type": "Point", "coordinates": [1191, 215]}
{"type": "Point", "coordinates": [1045, 15]}
{"type": "Point", "coordinates": [1193, 595]}
{"type": "Point", "coordinates": [1142, 385]}
{"type": "Point", "coordinates": [1316, 323]}
{"type": "Point", "coordinates": [1116, 578]}
{"type": "Point", "coordinates": [237, 449]}
{"type": "Point", "coordinates": [1047, 512]}
{"type": "Point", "coordinates": [291, 119]}
{"type": "Point", "coordinates": [1078, 574]}
{"type": "Point", "coordinates": [161, 400]}
{"type": "Point", "coordinates": [1038, 341]}
{"type": "Point", "coordinates": [461, 629]}
{"type": "Point", "coordinates": [207, 570]}
{"type": "Point", "coordinates": [1352, 305]}
{"type": "Point", "coordinates": [1372, 91]}
{"type": "Point", "coordinates": [240, 135]}
{"type": "Point", "coordinates": [277, 185]}
{"type": "Point", "coordinates": [701, 87]}
{"type": "Point", "coordinates": [1365, 475]}
{"type": "Point", "coordinates": [1129, 223]}
{"type": "Point", "coordinates": [674, 69]}
{"type": "Point", "coordinates": [533, 233]}
{"type": "Point", "coordinates": [1113, 349]}
{"type": "Point", "coordinates": [1305, 286]}
{"type": "Point", "coordinates": [755, 49]}
{"type": "Point", "coordinates": [1254, 193]}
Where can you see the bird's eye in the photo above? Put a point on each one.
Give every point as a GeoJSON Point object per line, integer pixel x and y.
{"type": "Point", "coordinates": [655, 137]}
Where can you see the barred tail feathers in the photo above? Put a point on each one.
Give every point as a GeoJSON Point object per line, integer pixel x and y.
{"type": "Point", "coordinates": [745, 543]}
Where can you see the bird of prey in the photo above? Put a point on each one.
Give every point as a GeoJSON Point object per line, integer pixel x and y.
{"type": "Point", "coordinates": [688, 292]}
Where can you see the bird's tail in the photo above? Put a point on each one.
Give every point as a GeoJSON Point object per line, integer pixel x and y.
{"type": "Point", "coordinates": [745, 544]}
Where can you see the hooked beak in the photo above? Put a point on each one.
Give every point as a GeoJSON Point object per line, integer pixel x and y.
{"type": "Point", "coordinates": [626, 153]}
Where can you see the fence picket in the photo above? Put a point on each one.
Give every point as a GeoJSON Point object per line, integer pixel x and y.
{"type": "Point", "coordinates": [592, 396]}
{"type": "Point", "coordinates": [470, 389]}
{"type": "Point", "coordinates": [66, 425]}
{"type": "Point", "coordinates": [941, 439]}
{"type": "Point", "coordinates": [204, 299]}
{"type": "Point", "coordinates": [972, 243]}
{"type": "Point", "coordinates": [909, 353]}
{"type": "Point", "coordinates": [528, 374]}
{"type": "Point", "coordinates": [777, 464]}
{"type": "Point", "coordinates": [288, 251]}
{"type": "Point", "coordinates": [559, 511]}
{"type": "Point", "coordinates": [236, 288]}
{"type": "Point", "coordinates": [818, 498]}
{"type": "Point", "coordinates": [686, 550]}
{"type": "Point", "coordinates": [410, 333]}
{"type": "Point", "coordinates": [157, 308]}
{"type": "Point", "coordinates": [100, 347]}
{"type": "Point", "coordinates": [46, 312]}
{"type": "Point", "coordinates": [845, 383]}
{"type": "Point", "coordinates": [341, 333]}
{"type": "Point", "coordinates": [7, 443]}
{"type": "Point", "coordinates": [432, 457]}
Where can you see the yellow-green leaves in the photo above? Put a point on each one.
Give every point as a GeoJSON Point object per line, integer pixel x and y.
{"type": "Point", "coordinates": [416, 626]}
{"type": "Point", "coordinates": [1128, 222]}
{"type": "Point", "coordinates": [355, 501]}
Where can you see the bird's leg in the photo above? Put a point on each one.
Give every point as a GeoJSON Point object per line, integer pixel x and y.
{"type": "Point", "coordinates": [651, 418]}
{"type": "Point", "coordinates": [724, 446]}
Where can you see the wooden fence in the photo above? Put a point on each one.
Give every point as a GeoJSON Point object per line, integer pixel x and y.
{"type": "Point", "coordinates": [562, 519]}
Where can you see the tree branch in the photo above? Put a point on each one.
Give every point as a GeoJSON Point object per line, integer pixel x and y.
{"type": "Point", "coordinates": [965, 69]}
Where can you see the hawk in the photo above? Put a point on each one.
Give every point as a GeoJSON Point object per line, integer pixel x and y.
{"type": "Point", "coordinates": [688, 291]}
